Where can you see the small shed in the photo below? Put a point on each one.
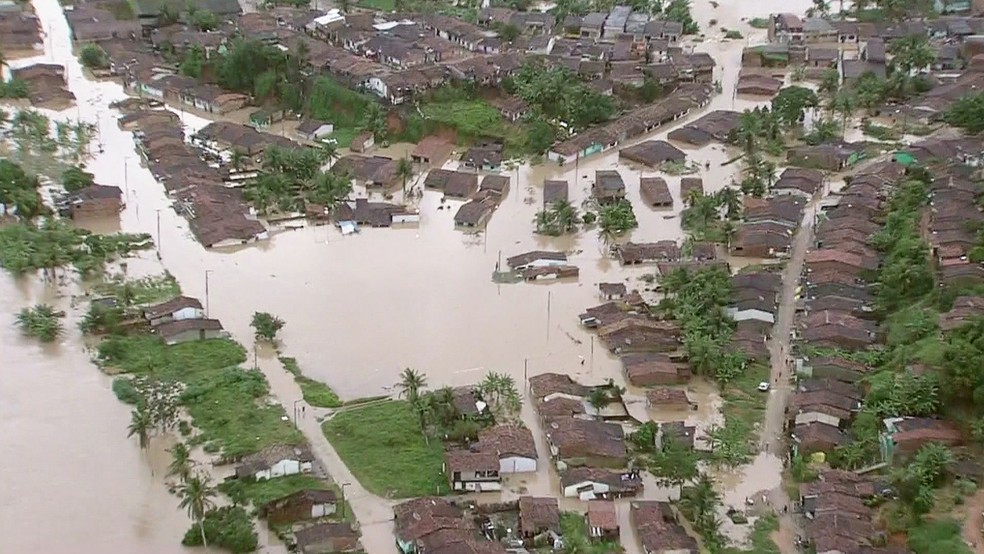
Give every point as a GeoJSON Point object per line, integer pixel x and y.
{"type": "Point", "coordinates": [363, 142]}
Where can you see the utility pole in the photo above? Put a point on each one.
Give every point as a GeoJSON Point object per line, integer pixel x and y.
{"type": "Point", "coordinates": [342, 488]}
{"type": "Point", "coordinates": [548, 316]}
{"type": "Point", "coordinates": [592, 353]}
{"type": "Point", "coordinates": [207, 271]}
{"type": "Point", "coordinates": [159, 234]}
{"type": "Point", "coordinates": [526, 370]}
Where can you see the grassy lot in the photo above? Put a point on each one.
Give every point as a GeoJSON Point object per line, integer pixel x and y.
{"type": "Point", "coordinates": [383, 447]}
{"type": "Point", "coordinates": [227, 403]}
{"type": "Point", "coordinates": [761, 537]}
{"type": "Point", "coordinates": [937, 536]}
{"type": "Point", "coordinates": [575, 532]}
{"type": "Point", "coordinates": [258, 493]}
{"type": "Point", "coordinates": [315, 393]}
{"type": "Point", "coordinates": [148, 290]}
{"type": "Point", "coordinates": [475, 119]}
{"type": "Point", "coordinates": [382, 5]}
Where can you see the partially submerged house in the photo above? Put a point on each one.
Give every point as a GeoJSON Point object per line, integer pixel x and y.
{"type": "Point", "coordinates": [94, 201]}
{"type": "Point", "coordinates": [588, 483]}
{"type": "Point", "coordinates": [186, 330]}
{"type": "Point", "coordinates": [653, 153]}
{"type": "Point", "coordinates": [655, 192]}
{"type": "Point", "coordinates": [575, 442]}
{"type": "Point", "coordinates": [538, 517]}
{"type": "Point", "coordinates": [276, 461]}
{"type": "Point", "coordinates": [658, 529]}
{"type": "Point", "coordinates": [473, 471]}
{"type": "Point", "coordinates": [602, 520]}
{"type": "Point", "coordinates": [176, 309]}
{"type": "Point", "coordinates": [299, 506]}
{"type": "Point", "coordinates": [513, 445]}
{"type": "Point", "coordinates": [328, 538]}
{"type": "Point", "coordinates": [608, 186]}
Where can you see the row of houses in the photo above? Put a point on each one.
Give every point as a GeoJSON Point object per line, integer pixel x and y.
{"type": "Point", "coordinates": [20, 31]}
{"type": "Point", "coordinates": [769, 225]}
{"type": "Point", "coordinates": [46, 84]}
{"type": "Point", "coordinates": [217, 215]}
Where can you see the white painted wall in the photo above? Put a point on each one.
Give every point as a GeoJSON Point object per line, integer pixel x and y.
{"type": "Point", "coordinates": [406, 218]}
{"type": "Point", "coordinates": [188, 313]}
{"type": "Point", "coordinates": [321, 510]}
{"type": "Point", "coordinates": [517, 464]}
{"type": "Point", "coordinates": [571, 491]}
{"type": "Point", "coordinates": [282, 468]}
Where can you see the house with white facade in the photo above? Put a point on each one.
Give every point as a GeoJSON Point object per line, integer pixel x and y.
{"type": "Point", "coordinates": [176, 309]}
{"type": "Point", "coordinates": [275, 461]}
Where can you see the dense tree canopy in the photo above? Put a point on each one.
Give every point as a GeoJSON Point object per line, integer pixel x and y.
{"type": "Point", "coordinates": [558, 94]}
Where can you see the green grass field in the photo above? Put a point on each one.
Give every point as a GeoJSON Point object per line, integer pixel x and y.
{"type": "Point", "coordinates": [383, 447]}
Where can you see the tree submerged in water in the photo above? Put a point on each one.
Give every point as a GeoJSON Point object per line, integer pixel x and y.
{"type": "Point", "coordinates": [266, 326]}
{"type": "Point", "coordinates": [41, 322]}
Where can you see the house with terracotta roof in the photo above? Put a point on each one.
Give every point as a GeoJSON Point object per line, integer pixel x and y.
{"type": "Point", "coordinates": [602, 520]}
{"type": "Point", "coordinates": [513, 445]}
{"type": "Point", "coordinates": [472, 471]}
{"type": "Point", "coordinates": [538, 517]}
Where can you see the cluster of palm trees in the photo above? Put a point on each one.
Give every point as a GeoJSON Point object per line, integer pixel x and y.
{"type": "Point", "coordinates": [499, 391]}
{"type": "Point", "coordinates": [702, 217]}
{"type": "Point", "coordinates": [700, 503]}
{"type": "Point", "coordinates": [289, 178]}
{"type": "Point", "coordinates": [158, 412]}
{"type": "Point", "coordinates": [195, 488]}
{"type": "Point", "coordinates": [560, 218]}
{"type": "Point", "coordinates": [695, 300]}
{"type": "Point", "coordinates": [156, 408]}
{"type": "Point", "coordinates": [614, 219]}
{"type": "Point", "coordinates": [436, 408]}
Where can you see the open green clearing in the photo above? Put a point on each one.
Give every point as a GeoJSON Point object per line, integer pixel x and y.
{"type": "Point", "coordinates": [761, 537]}
{"type": "Point", "coordinates": [383, 446]}
{"type": "Point", "coordinates": [315, 392]}
{"type": "Point", "coordinates": [227, 403]}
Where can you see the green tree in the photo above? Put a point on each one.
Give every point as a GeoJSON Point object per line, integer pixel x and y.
{"type": "Point", "coordinates": [181, 462]}
{"type": "Point", "coordinates": [844, 104]}
{"type": "Point", "coordinates": [912, 53]}
{"type": "Point", "coordinates": [140, 426]}
{"type": "Point", "coordinates": [967, 113]}
{"type": "Point", "coordinates": [539, 136]}
{"type": "Point", "coordinates": [820, 8]}
{"type": "Point", "coordinates": [404, 171]}
{"type": "Point", "coordinates": [829, 83]}
{"type": "Point", "coordinates": [374, 121]}
{"type": "Point", "coordinates": [93, 57]}
{"type": "Point", "coordinates": [204, 20]}
{"type": "Point", "coordinates": [675, 464]}
{"type": "Point", "coordinates": [75, 178]}
{"type": "Point", "coordinates": [411, 383]}
{"type": "Point", "coordinates": [193, 62]}
{"type": "Point", "coordinates": [40, 321]}
{"type": "Point", "coordinates": [266, 326]}
{"type": "Point", "coordinates": [196, 499]}
{"type": "Point", "coordinates": [791, 103]}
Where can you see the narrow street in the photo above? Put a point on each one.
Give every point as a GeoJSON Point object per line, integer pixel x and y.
{"type": "Point", "coordinates": [781, 371]}
{"type": "Point", "coordinates": [374, 514]}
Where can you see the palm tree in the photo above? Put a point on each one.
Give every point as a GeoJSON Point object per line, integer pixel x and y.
{"type": "Point", "coordinates": [565, 216]}
{"type": "Point", "coordinates": [374, 120]}
{"type": "Point", "coordinates": [196, 498]}
{"type": "Point", "coordinates": [140, 425]}
{"type": "Point", "coordinates": [329, 149]}
{"type": "Point", "coordinates": [181, 462]}
{"type": "Point", "coordinates": [692, 198]}
{"type": "Point", "coordinates": [238, 159]}
{"type": "Point", "coordinates": [411, 382]}
{"type": "Point", "coordinates": [844, 104]}
{"type": "Point", "coordinates": [404, 170]}
{"type": "Point", "coordinates": [599, 398]}
{"type": "Point", "coordinates": [730, 200]}
{"type": "Point", "coordinates": [127, 294]}
{"type": "Point", "coordinates": [912, 53]}
{"type": "Point", "coordinates": [820, 8]}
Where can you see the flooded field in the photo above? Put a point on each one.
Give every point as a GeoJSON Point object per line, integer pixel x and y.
{"type": "Point", "coordinates": [359, 309]}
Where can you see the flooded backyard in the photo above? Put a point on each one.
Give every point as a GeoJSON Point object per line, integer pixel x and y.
{"type": "Point", "coordinates": [359, 309]}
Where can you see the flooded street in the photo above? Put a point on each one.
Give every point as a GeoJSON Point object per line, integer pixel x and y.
{"type": "Point", "coordinates": [69, 462]}
{"type": "Point", "coordinates": [359, 309]}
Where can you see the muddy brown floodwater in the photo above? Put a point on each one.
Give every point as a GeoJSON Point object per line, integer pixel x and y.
{"type": "Point", "coordinates": [358, 309]}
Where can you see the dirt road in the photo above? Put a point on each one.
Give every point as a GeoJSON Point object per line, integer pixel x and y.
{"type": "Point", "coordinates": [781, 373]}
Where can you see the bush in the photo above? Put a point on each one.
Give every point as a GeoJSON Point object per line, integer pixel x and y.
{"type": "Point", "coordinates": [229, 527]}
{"type": "Point", "coordinates": [93, 57]}
{"type": "Point", "coordinates": [733, 34]}
{"type": "Point", "coordinates": [759, 23]}
{"type": "Point", "coordinates": [125, 391]}
{"type": "Point", "coordinates": [266, 325]}
{"type": "Point", "coordinates": [41, 322]}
